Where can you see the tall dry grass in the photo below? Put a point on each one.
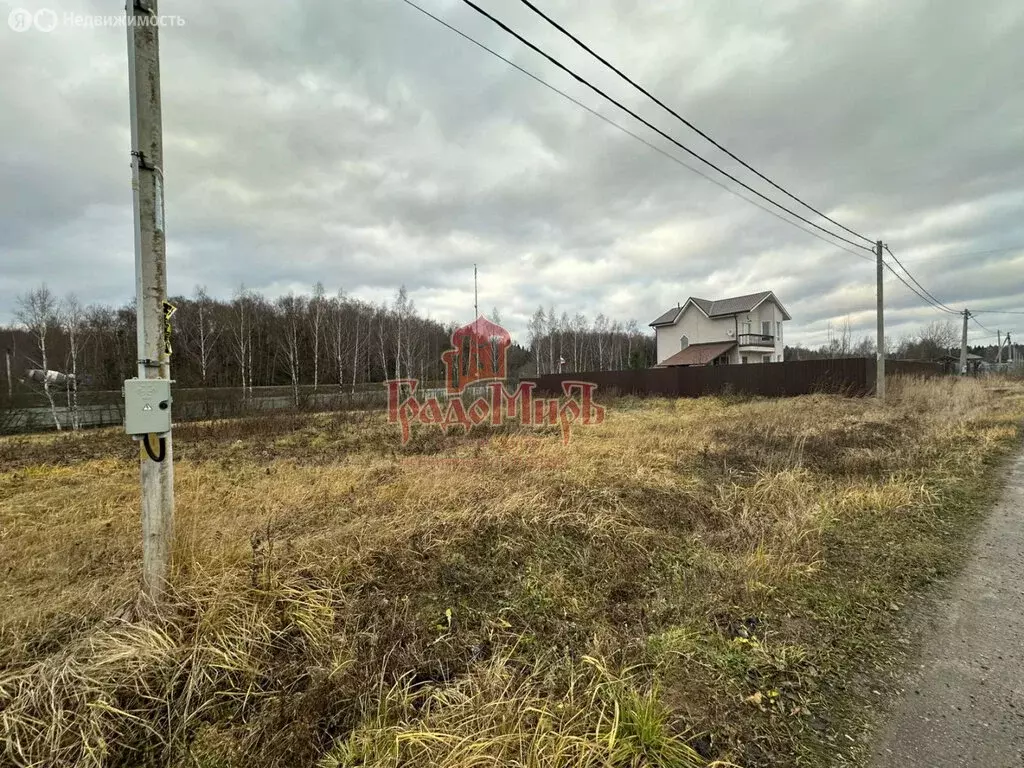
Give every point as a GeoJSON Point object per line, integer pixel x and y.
{"type": "Point", "coordinates": [691, 582]}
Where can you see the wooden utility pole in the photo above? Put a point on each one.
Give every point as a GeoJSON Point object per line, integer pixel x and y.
{"type": "Point", "coordinates": [880, 354]}
{"type": "Point", "coordinates": [963, 345]}
{"type": "Point", "coordinates": [152, 309]}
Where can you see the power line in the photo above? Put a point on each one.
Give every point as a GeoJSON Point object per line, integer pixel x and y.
{"type": "Point", "coordinates": [927, 297]}
{"type": "Point", "coordinates": [984, 328]}
{"type": "Point", "coordinates": [998, 311]}
{"type": "Point", "coordinates": [934, 301]}
{"type": "Point", "coordinates": [654, 128]}
{"type": "Point", "coordinates": [982, 253]}
{"type": "Point", "coordinates": [929, 302]}
{"type": "Point", "coordinates": [686, 122]}
{"type": "Point", "coordinates": [918, 284]}
{"type": "Point", "coordinates": [628, 132]}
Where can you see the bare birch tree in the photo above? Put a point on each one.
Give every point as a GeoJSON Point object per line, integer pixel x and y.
{"type": "Point", "coordinates": [37, 312]}
{"type": "Point", "coordinates": [207, 331]}
{"type": "Point", "coordinates": [72, 317]}
{"type": "Point", "coordinates": [242, 333]}
{"type": "Point", "coordinates": [291, 307]}
{"type": "Point", "coordinates": [316, 314]}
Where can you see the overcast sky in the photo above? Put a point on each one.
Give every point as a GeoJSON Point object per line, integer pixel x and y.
{"type": "Point", "coordinates": [360, 143]}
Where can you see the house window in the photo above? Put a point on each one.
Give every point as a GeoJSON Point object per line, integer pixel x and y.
{"type": "Point", "coordinates": [743, 359]}
{"type": "Point", "coordinates": [684, 342]}
{"type": "Point", "coordinates": [766, 328]}
{"type": "Point", "coordinates": [778, 331]}
{"type": "Point", "coordinates": [766, 358]}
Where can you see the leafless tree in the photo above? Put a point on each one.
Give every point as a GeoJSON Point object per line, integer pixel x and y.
{"type": "Point", "coordinates": [37, 312]}
{"type": "Point", "coordinates": [316, 313]}
{"type": "Point", "coordinates": [577, 328]}
{"type": "Point", "coordinates": [242, 333]}
{"type": "Point", "coordinates": [840, 340]}
{"type": "Point", "coordinates": [292, 309]}
{"type": "Point", "coordinates": [355, 346]}
{"type": "Point", "coordinates": [72, 317]}
{"type": "Point", "coordinates": [553, 328]}
{"type": "Point", "coordinates": [207, 330]}
{"type": "Point", "coordinates": [536, 329]}
{"type": "Point", "coordinates": [402, 311]}
{"type": "Point", "coordinates": [600, 334]}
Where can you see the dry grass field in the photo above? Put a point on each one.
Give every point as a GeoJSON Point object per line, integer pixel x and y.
{"type": "Point", "coordinates": [694, 582]}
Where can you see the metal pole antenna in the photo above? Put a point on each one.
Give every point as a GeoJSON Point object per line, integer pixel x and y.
{"type": "Point", "coordinates": [152, 309]}
{"type": "Point", "coordinates": [963, 346]}
{"type": "Point", "coordinates": [880, 353]}
{"type": "Point", "coordinates": [476, 303]}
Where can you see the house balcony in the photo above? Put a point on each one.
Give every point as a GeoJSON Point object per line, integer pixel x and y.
{"type": "Point", "coordinates": [755, 340]}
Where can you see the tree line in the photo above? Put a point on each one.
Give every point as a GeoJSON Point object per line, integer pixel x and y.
{"type": "Point", "coordinates": [59, 346]}
{"type": "Point", "coordinates": [931, 342]}
{"type": "Point", "coordinates": [563, 344]}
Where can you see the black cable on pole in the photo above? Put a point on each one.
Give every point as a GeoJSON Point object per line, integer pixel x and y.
{"type": "Point", "coordinates": [686, 122]}
{"type": "Point", "coordinates": [157, 457]}
{"type": "Point", "coordinates": [914, 279]}
{"type": "Point", "coordinates": [654, 128]}
{"type": "Point", "coordinates": [628, 132]}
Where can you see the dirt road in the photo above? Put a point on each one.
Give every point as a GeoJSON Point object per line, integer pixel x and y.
{"type": "Point", "coordinates": [964, 704]}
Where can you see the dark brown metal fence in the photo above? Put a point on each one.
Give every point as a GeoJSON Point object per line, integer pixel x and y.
{"type": "Point", "coordinates": [847, 376]}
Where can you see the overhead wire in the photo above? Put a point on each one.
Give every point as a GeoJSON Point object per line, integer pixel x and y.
{"type": "Point", "coordinates": [916, 282]}
{"type": "Point", "coordinates": [983, 253]}
{"type": "Point", "coordinates": [579, 78]}
{"type": "Point", "coordinates": [920, 291]}
{"type": "Point", "coordinates": [917, 293]}
{"type": "Point", "coordinates": [686, 122]}
{"type": "Point", "coordinates": [984, 328]}
{"type": "Point", "coordinates": [633, 134]}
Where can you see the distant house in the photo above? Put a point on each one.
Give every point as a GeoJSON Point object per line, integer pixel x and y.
{"type": "Point", "coordinates": [742, 329]}
{"type": "Point", "coordinates": [951, 363]}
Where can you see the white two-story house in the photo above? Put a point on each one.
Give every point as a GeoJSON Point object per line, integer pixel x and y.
{"type": "Point", "coordinates": [743, 329]}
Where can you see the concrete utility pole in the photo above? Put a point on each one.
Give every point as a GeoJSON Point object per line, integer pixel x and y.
{"type": "Point", "coordinates": [963, 345]}
{"type": "Point", "coordinates": [152, 309]}
{"type": "Point", "coordinates": [999, 346]}
{"type": "Point", "coordinates": [880, 354]}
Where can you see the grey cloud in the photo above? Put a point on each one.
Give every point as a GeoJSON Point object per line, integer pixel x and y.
{"type": "Point", "coordinates": [364, 145]}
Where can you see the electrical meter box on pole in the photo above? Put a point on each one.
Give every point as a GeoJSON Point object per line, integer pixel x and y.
{"type": "Point", "coordinates": [147, 406]}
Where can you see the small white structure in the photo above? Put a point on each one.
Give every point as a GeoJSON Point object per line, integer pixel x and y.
{"type": "Point", "coordinates": [53, 378]}
{"type": "Point", "coordinates": [742, 329]}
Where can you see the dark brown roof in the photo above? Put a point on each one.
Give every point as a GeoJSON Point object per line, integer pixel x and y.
{"type": "Point", "coordinates": [669, 317]}
{"type": "Point", "coordinates": [698, 354]}
{"type": "Point", "coordinates": [737, 304]}
{"type": "Point", "coordinates": [720, 307]}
